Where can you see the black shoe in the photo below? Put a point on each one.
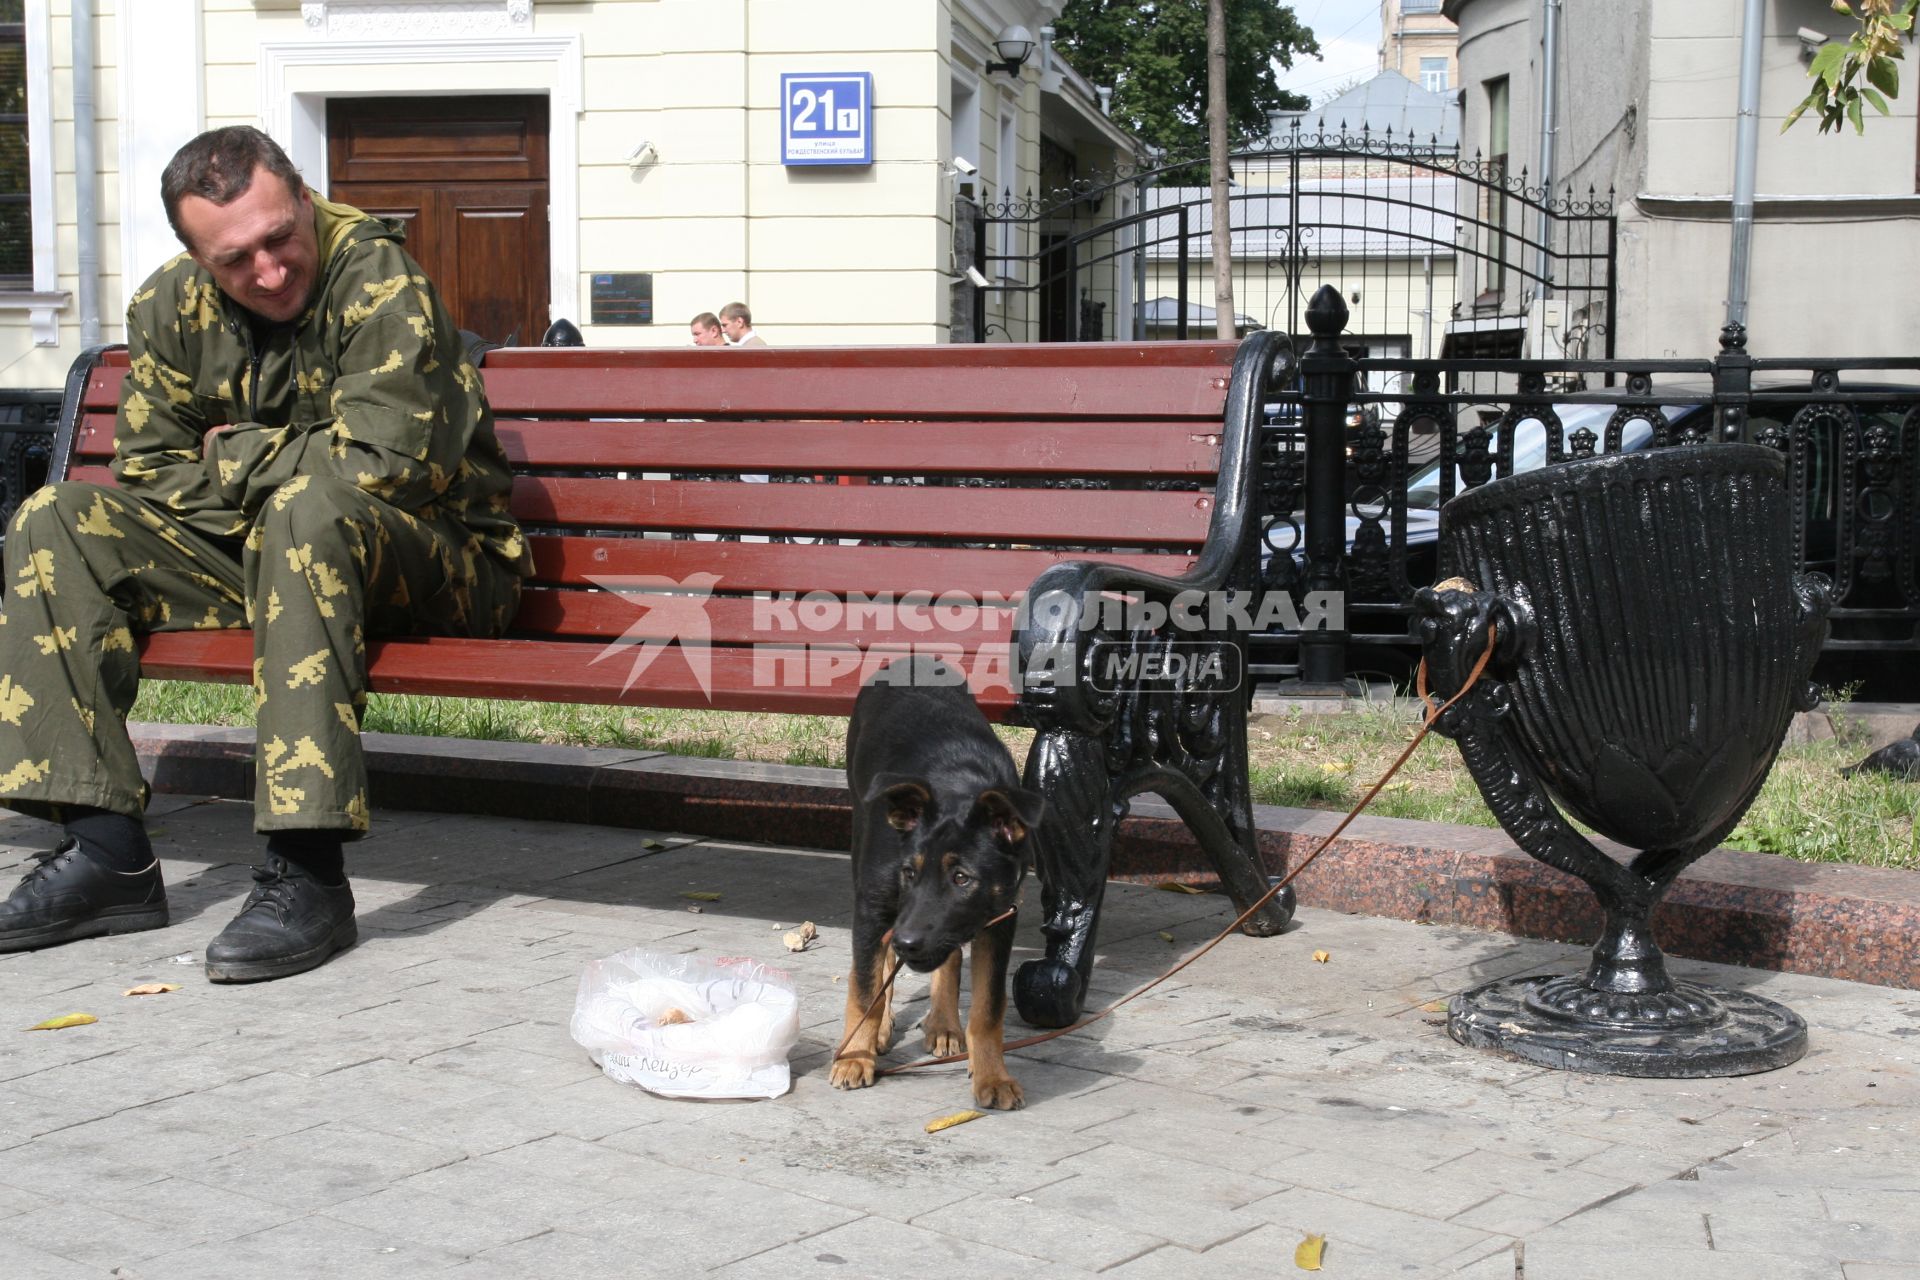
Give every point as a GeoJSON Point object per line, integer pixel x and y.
{"type": "Point", "coordinates": [68, 895]}
{"type": "Point", "coordinates": [291, 924]}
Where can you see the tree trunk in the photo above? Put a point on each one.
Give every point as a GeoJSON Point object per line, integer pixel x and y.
{"type": "Point", "coordinates": [1222, 236]}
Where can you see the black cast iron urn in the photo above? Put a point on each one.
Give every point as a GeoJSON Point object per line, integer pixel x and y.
{"type": "Point", "coordinates": [1652, 643]}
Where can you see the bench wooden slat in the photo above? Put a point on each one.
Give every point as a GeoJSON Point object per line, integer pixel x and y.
{"type": "Point", "coordinates": [870, 448]}
{"type": "Point", "coordinates": [760, 566]}
{"type": "Point", "coordinates": [1138, 518]}
{"type": "Point", "coordinates": [1091, 380]}
{"type": "Point", "coordinates": [1143, 519]}
{"type": "Point", "coordinates": [736, 620]}
{"type": "Point", "coordinates": [742, 679]}
{"type": "Point", "coordinates": [1133, 448]}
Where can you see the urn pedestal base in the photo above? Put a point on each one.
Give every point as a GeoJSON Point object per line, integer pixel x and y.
{"type": "Point", "coordinates": [1684, 1033]}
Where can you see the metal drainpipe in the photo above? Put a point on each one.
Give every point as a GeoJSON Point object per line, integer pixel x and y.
{"type": "Point", "coordinates": [1746, 150]}
{"type": "Point", "coordinates": [86, 175]}
{"type": "Point", "coordinates": [1549, 84]}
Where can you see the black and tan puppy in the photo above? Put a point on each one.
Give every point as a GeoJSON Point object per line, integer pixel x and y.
{"type": "Point", "coordinates": [940, 845]}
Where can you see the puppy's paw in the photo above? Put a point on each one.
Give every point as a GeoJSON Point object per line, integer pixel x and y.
{"type": "Point", "coordinates": [999, 1094]}
{"type": "Point", "coordinates": [944, 1038]}
{"type": "Point", "coordinates": [854, 1071]}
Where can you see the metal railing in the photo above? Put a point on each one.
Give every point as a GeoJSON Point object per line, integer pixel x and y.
{"type": "Point", "coordinates": [1353, 480]}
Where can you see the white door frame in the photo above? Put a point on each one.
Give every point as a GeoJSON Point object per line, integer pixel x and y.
{"type": "Point", "coordinates": [297, 78]}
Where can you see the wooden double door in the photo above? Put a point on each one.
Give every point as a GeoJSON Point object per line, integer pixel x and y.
{"type": "Point", "coordinates": [468, 178]}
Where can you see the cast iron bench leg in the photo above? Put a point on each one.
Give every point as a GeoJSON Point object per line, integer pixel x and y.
{"type": "Point", "coordinates": [1087, 790]}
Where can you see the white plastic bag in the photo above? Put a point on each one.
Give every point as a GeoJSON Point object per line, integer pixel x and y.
{"type": "Point", "coordinates": [741, 1021]}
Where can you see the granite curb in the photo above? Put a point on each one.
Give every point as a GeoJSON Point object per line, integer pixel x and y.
{"type": "Point", "coordinates": [1860, 924]}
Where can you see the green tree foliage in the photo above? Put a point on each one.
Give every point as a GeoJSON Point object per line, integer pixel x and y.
{"type": "Point", "coordinates": [1154, 54]}
{"type": "Point", "coordinates": [1861, 70]}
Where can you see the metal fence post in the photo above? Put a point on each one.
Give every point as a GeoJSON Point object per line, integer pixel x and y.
{"type": "Point", "coordinates": [1180, 324]}
{"type": "Point", "coordinates": [1732, 382]}
{"type": "Point", "coordinates": [1327, 374]}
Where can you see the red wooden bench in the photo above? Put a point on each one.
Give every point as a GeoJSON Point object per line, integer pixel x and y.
{"type": "Point", "coordinates": [974, 473]}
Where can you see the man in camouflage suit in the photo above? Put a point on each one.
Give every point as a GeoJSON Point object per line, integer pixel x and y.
{"type": "Point", "coordinates": [302, 448]}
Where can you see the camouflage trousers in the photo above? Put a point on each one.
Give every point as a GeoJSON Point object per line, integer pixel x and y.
{"type": "Point", "coordinates": [324, 566]}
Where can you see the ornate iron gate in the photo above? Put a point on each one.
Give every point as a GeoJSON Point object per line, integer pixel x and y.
{"type": "Point", "coordinates": [1413, 234]}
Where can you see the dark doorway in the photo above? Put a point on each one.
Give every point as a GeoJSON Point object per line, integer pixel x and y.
{"type": "Point", "coordinates": [468, 178]}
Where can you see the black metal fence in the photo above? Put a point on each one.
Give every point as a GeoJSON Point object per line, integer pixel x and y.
{"type": "Point", "coordinates": [1352, 500]}
{"type": "Point", "coordinates": [1414, 234]}
{"type": "Point", "coordinates": [27, 422]}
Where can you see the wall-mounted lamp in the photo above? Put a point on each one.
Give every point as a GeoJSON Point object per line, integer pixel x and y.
{"type": "Point", "coordinates": [1015, 46]}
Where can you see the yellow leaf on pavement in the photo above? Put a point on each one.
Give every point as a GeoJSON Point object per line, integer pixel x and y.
{"type": "Point", "coordinates": [701, 895]}
{"type": "Point", "coordinates": [151, 989]}
{"type": "Point", "coordinates": [1321, 957]}
{"type": "Point", "coordinates": [1165, 936]}
{"type": "Point", "coordinates": [947, 1122]}
{"type": "Point", "coordinates": [63, 1022]}
{"type": "Point", "coordinates": [652, 845]}
{"type": "Point", "coordinates": [1175, 886]}
{"type": "Point", "coordinates": [1434, 1006]}
{"type": "Point", "coordinates": [1306, 1255]}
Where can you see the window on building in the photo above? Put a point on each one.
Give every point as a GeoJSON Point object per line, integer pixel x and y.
{"type": "Point", "coordinates": [1419, 6]}
{"type": "Point", "coordinates": [1007, 168]}
{"type": "Point", "coordinates": [966, 129]}
{"type": "Point", "coordinates": [1494, 215]}
{"type": "Point", "coordinates": [16, 200]}
{"type": "Point", "coordinates": [1433, 75]}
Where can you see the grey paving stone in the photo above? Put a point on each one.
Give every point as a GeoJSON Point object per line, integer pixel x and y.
{"type": "Point", "coordinates": [308, 1246]}
{"type": "Point", "coordinates": [1018, 1224]}
{"type": "Point", "coordinates": [1119, 1185]}
{"type": "Point", "coordinates": [1550, 1260]}
{"type": "Point", "coordinates": [321, 1166]}
{"type": "Point", "coordinates": [1389, 1232]}
{"type": "Point", "coordinates": [1859, 1239]}
{"type": "Point", "coordinates": [1261, 1254]}
{"type": "Point", "coordinates": [1435, 1193]}
{"type": "Point", "coordinates": [894, 1171]}
{"type": "Point", "coordinates": [436, 1222]}
{"type": "Point", "coordinates": [1542, 1179]}
{"type": "Point", "coordinates": [876, 1249]}
{"type": "Point", "coordinates": [22, 1261]}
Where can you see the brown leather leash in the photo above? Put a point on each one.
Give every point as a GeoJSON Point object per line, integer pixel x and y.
{"type": "Point", "coordinates": [1433, 714]}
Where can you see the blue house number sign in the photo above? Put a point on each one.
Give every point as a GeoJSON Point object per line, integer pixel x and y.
{"type": "Point", "coordinates": [826, 118]}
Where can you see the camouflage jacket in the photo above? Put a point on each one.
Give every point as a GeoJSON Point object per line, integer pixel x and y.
{"type": "Point", "coordinates": [370, 384]}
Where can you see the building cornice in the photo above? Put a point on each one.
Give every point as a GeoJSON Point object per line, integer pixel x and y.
{"type": "Point", "coordinates": [1795, 208]}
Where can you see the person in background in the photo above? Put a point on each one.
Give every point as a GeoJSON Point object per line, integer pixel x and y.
{"type": "Point", "coordinates": [738, 323]}
{"type": "Point", "coordinates": [706, 331]}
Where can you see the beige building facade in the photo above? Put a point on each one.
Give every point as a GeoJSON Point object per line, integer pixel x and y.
{"type": "Point", "coordinates": [615, 161]}
{"type": "Point", "coordinates": [1647, 107]}
{"type": "Point", "coordinates": [1418, 40]}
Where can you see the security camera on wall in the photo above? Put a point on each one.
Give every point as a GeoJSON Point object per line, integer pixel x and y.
{"type": "Point", "coordinates": [964, 166]}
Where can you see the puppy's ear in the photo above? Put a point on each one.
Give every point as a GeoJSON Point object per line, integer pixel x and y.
{"type": "Point", "coordinates": [1012, 813]}
{"type": "Point", "coordinates": [906, 799]}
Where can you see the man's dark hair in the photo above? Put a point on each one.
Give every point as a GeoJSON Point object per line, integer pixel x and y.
{"type": "Point", "coordinates": [705, 320]}
{"type": "Point", "coordinates": [218, 166]}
